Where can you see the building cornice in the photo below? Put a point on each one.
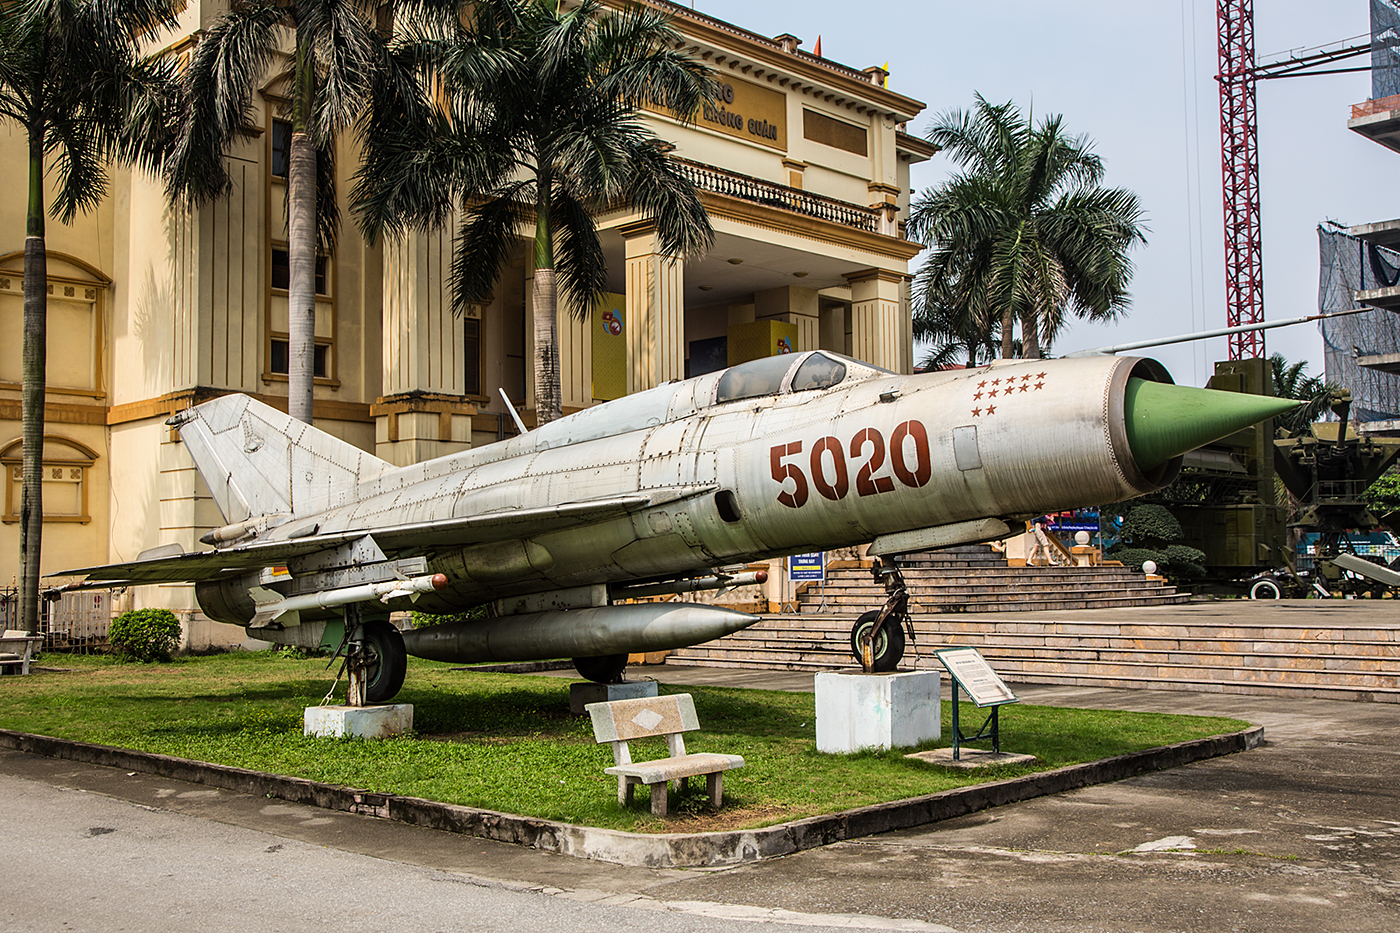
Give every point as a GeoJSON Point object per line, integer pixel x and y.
{"type": "Point", "coordinates": [809, 73]}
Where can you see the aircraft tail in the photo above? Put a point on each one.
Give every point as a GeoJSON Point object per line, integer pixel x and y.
{"type": "Point", "coordinates": [258, 461]}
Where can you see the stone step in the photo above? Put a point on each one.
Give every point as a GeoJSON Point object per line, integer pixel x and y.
{"type": "Point", "coordinates": [1046, 604]}
{"type": "Point", "coordinates": [1383, 694]}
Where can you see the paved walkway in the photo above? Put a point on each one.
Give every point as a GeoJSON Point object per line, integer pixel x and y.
{"type": "Point", "coordinates": [1302, 834]}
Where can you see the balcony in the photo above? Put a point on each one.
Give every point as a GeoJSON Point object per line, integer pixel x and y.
{"type": "Point", "coordinates": [1378, 120]}
{"type": "Point", "coordinates": [746, 188]}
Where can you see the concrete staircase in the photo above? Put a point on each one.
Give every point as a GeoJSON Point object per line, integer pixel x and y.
{"type": "Point", "coordinates": [1341, 649]}
{"type": "Point", "coordinates": [974, 578]}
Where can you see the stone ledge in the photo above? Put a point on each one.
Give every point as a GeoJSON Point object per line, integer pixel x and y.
{"type": "Point", "coordinates": [668, 850]}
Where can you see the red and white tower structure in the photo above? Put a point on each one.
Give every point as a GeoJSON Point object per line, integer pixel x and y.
{"type": "Point", "coordinates": [1239, 162]}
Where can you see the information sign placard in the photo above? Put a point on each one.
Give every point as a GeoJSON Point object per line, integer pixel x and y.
{"type": "Point", "coordinates": [971, 671]}
{"type": "Point", "coordinates": [802, 567]}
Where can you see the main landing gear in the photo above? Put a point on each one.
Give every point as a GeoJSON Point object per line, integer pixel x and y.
{"type": "Point", "coordinates": [877, 640]}
{"type": "Point", "coordinates": [374, 658]}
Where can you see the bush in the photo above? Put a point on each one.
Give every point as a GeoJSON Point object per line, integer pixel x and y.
{"type": "Point", "coordinates": [145, 635]}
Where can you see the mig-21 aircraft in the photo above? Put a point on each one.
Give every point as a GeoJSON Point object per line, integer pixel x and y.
{"type": "Point", "coordinates": [665, 491]}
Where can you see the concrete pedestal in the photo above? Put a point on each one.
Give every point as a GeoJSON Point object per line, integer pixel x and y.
{"type": "Point", "coordinates": [585, 692]}
{"type": "Point", "coordinates": [365, 722]}
{"type": "Point", "coordinates": [856, 711]}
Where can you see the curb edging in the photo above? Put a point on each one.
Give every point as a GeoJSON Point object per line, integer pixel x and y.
{"type": "Point", "coordinates": [661, 850]}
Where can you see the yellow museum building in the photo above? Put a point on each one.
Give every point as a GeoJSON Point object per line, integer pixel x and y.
{"type": "Point", "coordinates": [803, 167]}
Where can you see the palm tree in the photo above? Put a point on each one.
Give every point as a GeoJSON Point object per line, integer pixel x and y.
{"type": "Point", "coordinates": [335, 50]}
{"type": "Point", "coordinates": [1026, 232]}
{"type": "Point", "coordinates": [1292, 381]}
{"type": "Point", "coordinates": [532, 119]}
{"type": "Point", "coordinates": [73, 80]}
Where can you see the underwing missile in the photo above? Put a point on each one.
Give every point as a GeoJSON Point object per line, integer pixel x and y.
{"type": "Point", "coordinates": [577, 633]}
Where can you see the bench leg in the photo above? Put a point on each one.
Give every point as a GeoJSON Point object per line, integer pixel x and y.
{"type": "Point", "coordinates": [625, 786]}
{"type": "Point", "coordinates": [714, 783]}
{"type": "Point", "coordinates": [658, 798]}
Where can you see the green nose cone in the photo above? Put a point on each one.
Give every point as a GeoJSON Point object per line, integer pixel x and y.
{"type": "Point", "coordinates": [1165, 421]}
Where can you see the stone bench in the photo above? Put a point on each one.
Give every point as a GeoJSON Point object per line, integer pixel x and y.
{"type": "Point", "coordinates": [622, 721]}
{"type": "Point", "coordinates": [17, 649]}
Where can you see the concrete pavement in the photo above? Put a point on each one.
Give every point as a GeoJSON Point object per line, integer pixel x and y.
{"type": "Point", "coordinates": [1302, 834]}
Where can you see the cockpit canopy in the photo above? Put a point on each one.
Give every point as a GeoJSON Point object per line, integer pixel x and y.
{"type": "Point", "coordinates": [770, 375]}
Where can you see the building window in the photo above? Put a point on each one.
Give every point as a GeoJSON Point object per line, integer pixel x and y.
{"type": "Point", "coordinates": [471, 356]}
{"type": "Point", "coordinates": [280, 361]}
{"type": "Point", "coordinates": [66, 464]}
{"type": "Point", "coordinates": [282, 271]}
{"type": "Point", "coordinates": [281, 148]}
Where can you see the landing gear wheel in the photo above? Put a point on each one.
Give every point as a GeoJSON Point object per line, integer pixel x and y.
{"type": "Point", "coordinates": [888, 647]}
{"type": "Point", "coordinates": [603, 669]}
{"type": "Point", "coordinates": [1265, 588]}
{"type": "Point", "coordinates": [386, 661]}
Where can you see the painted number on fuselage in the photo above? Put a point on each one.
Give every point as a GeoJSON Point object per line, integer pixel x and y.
{"type": "Point", "coordinates": [830, 471]}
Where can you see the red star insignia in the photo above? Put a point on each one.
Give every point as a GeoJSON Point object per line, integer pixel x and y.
{"type": "Point", "coordinates": [993, 393]}
{"type": "Point", "coordinates": [1026, 377]}
{"type": "Point", "coordinates": [1040, 375]}
{"type": "Point", "coordinates": [1039, 384]}
{"type": "Point", "coordinates": [1024, 388]}
{"type": "Point", "coordinates": [977, 396]}
{"type": "Point", "coordinates": [982, 384]}
{"type": "Point", "coordinates": [996, 382]}
{"type": "Point", "coordinates": [976, 412]}
{"type": "Point", "coordinates": [991, 409]}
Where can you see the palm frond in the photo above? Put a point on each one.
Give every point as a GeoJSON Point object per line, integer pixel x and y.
{"type": "Point", "coordinates": [217, 98]}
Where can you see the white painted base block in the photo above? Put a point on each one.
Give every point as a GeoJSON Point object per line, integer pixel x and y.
{"type": "Point", "coordinates": [856, 711]}
{"type": "Point", "coordinates": [585, 692]}
{"type": "Point", "coordinates": [365, 722]}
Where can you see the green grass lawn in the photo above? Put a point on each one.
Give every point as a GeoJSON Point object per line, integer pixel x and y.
{"type": "Point", "coordinates": [508, 742]}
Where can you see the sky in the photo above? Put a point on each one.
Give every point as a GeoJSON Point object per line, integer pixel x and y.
{"type": "Point", "coordinates": [1138, 78]}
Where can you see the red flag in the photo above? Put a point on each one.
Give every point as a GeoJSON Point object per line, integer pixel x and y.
{"type": "Point", "coordinates": [817, 49]}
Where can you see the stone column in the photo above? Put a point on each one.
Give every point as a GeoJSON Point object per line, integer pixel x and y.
{"type": "Point", "coordinates": [655, 310]}
{"type": "Point", "coordinates": [879, 319]}
{"type": "Point", "coordinates": [795, 306]}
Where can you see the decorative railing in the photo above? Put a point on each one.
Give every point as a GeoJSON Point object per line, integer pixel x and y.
{"type": "Point", "coordinates": [758, 191]}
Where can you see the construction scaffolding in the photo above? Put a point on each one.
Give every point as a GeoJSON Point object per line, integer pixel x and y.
{"type": "Point", "coordinates": [1385, 48]}
{"type": "Point", "coordinates": [1349, 264]}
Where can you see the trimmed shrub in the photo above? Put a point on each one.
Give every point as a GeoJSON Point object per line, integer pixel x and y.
{"type": "Point", "coordinates": [145, 635]}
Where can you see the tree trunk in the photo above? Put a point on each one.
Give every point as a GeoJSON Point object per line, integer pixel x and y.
{"type": "Point", "coordinates": [545, 302]}
{"type": "Point", "coordinates": [31, 525]}
{"type": "Point", "coordinates": [301, 284]}
{"type": "Point", "coordinates": [1007, 321]}
{"type": "Point", "coordinates": [1030, 337]}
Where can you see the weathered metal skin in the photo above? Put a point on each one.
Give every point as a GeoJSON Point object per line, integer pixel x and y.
{"type": "Point", "coordinates": [774, 457]}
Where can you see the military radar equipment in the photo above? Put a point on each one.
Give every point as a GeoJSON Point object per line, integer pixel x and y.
{"type": "Point", "coordinates": [1327, 470]}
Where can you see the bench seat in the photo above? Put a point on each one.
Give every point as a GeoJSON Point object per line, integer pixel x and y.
{"type": "Point", "coordinates": [674, 769]}
{"type": "Point", "coordinates": [665, 717]}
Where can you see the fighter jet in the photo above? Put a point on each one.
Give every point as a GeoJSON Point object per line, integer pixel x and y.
{"type": "Point", "coordinates": [559, 530]}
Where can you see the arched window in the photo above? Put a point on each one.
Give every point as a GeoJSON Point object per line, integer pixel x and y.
{"type": "Point", "coordinates": [66, 466]}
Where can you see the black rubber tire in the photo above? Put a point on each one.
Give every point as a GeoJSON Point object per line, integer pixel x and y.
{"type": "Point", "coordinates": [1265, 588]}
{"type": "Point", "coordinates": [603, 669]}
{"type": "Point", "coordinates": [889, 649]}
{"type": "Point", "coordinates": [388, 662]}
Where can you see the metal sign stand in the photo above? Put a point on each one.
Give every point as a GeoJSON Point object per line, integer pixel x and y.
{"type": "Point", "coordinates": [972, 674]}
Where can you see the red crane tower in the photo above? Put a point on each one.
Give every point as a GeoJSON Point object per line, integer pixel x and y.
{"type": "Point", "coordinates": [1239, 173]}
{"type": "Point", "coordinates": [1239, 160]}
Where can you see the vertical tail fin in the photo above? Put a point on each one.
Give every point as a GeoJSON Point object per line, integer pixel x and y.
{"type": "Point", "coordinates": [257, 460]}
